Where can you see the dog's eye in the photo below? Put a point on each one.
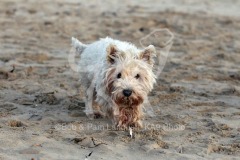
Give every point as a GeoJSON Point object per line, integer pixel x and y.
{"type": "Point", "coordinates": [137, 76]}
{"type": "Point", "coordinates": [119, 75]}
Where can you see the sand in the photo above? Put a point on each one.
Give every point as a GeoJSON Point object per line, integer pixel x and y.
{"type": "Point", "coordinates": [196, 101]}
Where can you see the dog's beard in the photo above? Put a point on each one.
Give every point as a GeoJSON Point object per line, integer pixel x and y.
{"type": "Point", "coordinates": [129, 108]}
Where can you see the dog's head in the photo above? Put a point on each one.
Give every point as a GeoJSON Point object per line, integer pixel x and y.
{"type": "Point", "coordinates": [130, 76]}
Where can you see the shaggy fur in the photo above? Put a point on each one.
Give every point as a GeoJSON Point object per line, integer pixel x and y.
{"type": "Point", "coordinates": [117, 77]}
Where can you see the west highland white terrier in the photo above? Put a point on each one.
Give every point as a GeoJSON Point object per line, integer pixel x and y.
{"type": "Point", "coordinates": [117, 77]}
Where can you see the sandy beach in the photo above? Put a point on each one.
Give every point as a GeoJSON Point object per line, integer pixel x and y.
{"type": "Point", "coordinates": [196, 101]}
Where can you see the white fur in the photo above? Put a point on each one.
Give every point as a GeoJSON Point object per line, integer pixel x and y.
{"type": "Point", "coordinates": [94, 66]}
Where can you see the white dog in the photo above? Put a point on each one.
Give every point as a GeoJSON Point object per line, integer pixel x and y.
{"type": "Point", "coordinates": [117, 77]}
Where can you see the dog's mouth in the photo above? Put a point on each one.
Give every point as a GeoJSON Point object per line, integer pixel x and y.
{"type": "Point", "coordinates": [129, 101]}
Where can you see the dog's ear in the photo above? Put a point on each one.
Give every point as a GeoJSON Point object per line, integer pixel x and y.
{"type": "Point", "coordinates": [112, 53]}
{"type": "Point", "coordinates": [148, 54]}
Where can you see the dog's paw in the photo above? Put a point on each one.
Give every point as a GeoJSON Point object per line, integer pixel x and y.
{"type": "Point", "coordinates": [98, 115]}
{"type": "Point", "coordinates": [90, 115]}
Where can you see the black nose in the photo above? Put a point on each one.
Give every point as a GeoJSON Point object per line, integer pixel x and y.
{"type": "Point", "coordinates": [127, 92]}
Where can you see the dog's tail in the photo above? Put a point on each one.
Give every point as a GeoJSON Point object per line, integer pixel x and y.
{"type": "Point", "coordinates": [79, 46]}
{"type": "Point", "coordinates": [77, 49]}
